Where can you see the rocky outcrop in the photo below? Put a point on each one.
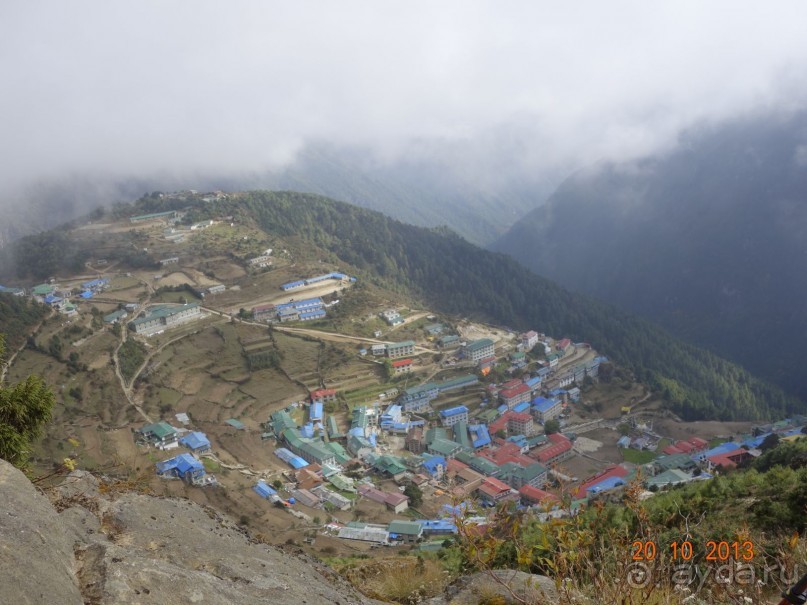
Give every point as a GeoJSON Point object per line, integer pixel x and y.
{"type": "Point", "coordinates": [88, 549]}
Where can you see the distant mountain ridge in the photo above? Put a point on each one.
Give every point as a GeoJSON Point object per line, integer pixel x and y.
{"type": "Point", "coordinates": [424, 190]}
{"type": "Point", "coordinates": [710, 240]}
{"type": "Point", "coordinates": [451, 275]}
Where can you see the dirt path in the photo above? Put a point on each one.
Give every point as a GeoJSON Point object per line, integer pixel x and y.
{"type": "Point", "coordinates": [334, 337]}
{"type": "Point", "coordinates": [11, 359]}
{"type": "Point", "coordinates": [127, 389]}
{"type": "Point", "coordinates": [312, 292]}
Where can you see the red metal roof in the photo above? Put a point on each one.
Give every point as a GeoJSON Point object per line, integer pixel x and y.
{"type": "Point", "coordinates": [515, 391]}
{"type": "Point", "coordinates": [611, 471]}
{"type": "Point", "coordinates": [729, 459]}
{"type": "Point", "coordinates": [401, 362]}
{"type": "Point", "coordinates": [698, 442]}
{"type": "Point", "coordinates": [493, 486]}
{"type": "Point", "coordinates": [537, 495]}
{"type": "Point", "coordinates": [322, 393]}
{"type": "Point", "coordinates": [560, 445]}
{"type": "Point", "coordinates": [670, 450]}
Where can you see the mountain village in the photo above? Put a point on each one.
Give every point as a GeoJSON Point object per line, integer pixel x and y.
{"type": "Point", "coordinates": [438, 437]}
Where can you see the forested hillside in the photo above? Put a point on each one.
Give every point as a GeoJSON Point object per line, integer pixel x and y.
{"type": "Point", "coordinates": [421, 192]}
{"type": "Point", "coordinates": [17, 317]}
{"type": "Point", "coordinates": [452, 275]}
{"type": "Point", "coordinates": [710, 240]}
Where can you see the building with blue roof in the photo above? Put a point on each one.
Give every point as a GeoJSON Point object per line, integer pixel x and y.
{"type": "Point", "coordinates": [452, 416]}
{"type": "Point", "coordinates": [723, 448]}
{"type": "Point", "coordinates": [522, 407]}
{"type": "Point", "coordinates": [435, 466]}
{"type": "Point", "coordinates": [605, 485]}
{"type": "Point", "coordinates": [480, 437]}
{"type": "Point", "coordinates": [87, 294]}
{"type": "Point", "coordinates": [196, 442]}
{"type": "Point", "coordinates": [95, 284]}
{"type": "Point", "coordinates": [544, 409]}
{"type": "Point", "coordinates": [185, 466]}
{"type": "Point", "coordinates": [307, 430]}
{"type": "Point", "coordinates": [437, 527]}
{"type": "Point", "coordinates": [315, 411]}
{"type": "Point", "coordinates": [264, 491]}
{"type": "Point", "coordinates": [534, 383]}
{"type": "Point", "coordinates": [296, 462]}
{"type": "Point", "coordinates": [292, 285]}
{"type": "Point", "coordinates": [12, 291]}
{"type": "Point", "coordinates": [391, 416]}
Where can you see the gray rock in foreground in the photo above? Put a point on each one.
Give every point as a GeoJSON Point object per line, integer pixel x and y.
{"type": "Point", "coordinates": [142, 550]}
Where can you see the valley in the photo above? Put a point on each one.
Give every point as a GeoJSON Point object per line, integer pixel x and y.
{"type": "Point", "coordinates": [225, 371]}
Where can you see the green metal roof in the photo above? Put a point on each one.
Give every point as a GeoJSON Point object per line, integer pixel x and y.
{"type": "Point", "coordinates": [407, 528]}
{"type": "Point", "coordinates": [42, 289]}
{"type": "Point", "coordinates": [479, 344]}
{"type": "Point", "coordinates": [163, 311]}
{"type": "Point", "coordinates": [159, 429]}
{"type": "Point", "coordinates": [389, 464]}
{"type": "Point", "coordinates": [444, 447]}
{"type": "Point", "coordinates": [461, 433]}
{"type": "Point", "coordinates": [670, 477]}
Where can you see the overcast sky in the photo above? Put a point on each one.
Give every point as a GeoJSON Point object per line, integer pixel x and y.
{"type": "Point", "coordinates": [182, 87]}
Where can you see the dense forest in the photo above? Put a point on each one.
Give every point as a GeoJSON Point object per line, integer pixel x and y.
{"type": "Point", "coordinates": [17, 317]}
{"type": "Point", "coordinates": [454, 276]}
{"type": "Point", "coordinates": [708, 239]}
{"type": "Point", "coordinates": [450, 275]}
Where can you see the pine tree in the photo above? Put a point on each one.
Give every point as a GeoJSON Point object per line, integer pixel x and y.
{"type": "Point", "coordinates": [25, 408]}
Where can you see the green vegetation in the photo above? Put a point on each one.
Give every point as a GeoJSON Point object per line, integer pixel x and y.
{"type": "Point", "coordinates": [414, 494]}
{"type": "Point", "coordinates": [131, 355]}
{"type": "Point", "coordinates": [453, 276]}
{"type": "Point", "coordinates": [702, 239]}
{"type": "Point", "coordinates": [25, 408]}
{"type": "Point", "coordinates": [760, 512]}
{"type": "Point", "coordinates": [638, 456]}
{"type": "Point", "coordinates": [17, 316]}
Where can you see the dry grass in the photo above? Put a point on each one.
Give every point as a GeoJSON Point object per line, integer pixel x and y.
{"type": "Point", "coordinates": [406, 580]}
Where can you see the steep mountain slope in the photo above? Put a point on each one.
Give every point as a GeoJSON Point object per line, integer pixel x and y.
{"type": "Point", "coordinates": [138, 549]}
{"type": "Point", "coordinates": [451, 275]}
{"type": "Point", "coordinates": [418, 191]}
{"type": "Point", "coordinates": [710, 240]}
{"type": "Point", "coordinates": [479, 200]}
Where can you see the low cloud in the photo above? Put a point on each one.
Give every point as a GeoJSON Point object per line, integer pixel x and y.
{"type": "Point", "coordinates": [176, 92]}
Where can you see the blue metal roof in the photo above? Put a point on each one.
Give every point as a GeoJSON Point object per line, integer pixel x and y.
{"type": "Point", "coordinates": [460, 409]}
{"type": "Point", "coordinates": [315, 412]}
{"type": "Point", "coordinates": [606, 484]}
{"type": "Point", "coordinates": [263, 490]}
{"type": "Point", "coordinates": [432, 463]}
{"type": "Point", "coordinates": [195, 441]}
{"type": "Point", "coordinates": [480, 434]}
{"type": "Point", "coordinates": [723, 448]}
{"type": "Point", "coordinates": [542, 404]}
{"type": "Point", "coordinates": [183, 464]}
{"type": "Point", "coordinates": [86, 294]}
{"type": "Point", "coordinates": [522, 407]}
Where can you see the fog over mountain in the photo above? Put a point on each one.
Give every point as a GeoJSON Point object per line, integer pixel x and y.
{"type": "Point", "coordinates": [708, 239]}
{"type": "Point", "coordinates": [462, 100]}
